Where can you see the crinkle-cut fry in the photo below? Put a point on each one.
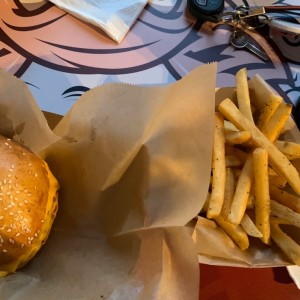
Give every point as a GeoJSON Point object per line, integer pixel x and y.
{"type": "Point", "coordinates": [249, 226]}
{"type": "Point", "coordinates": [278, 160]}
{"type": "Point", "coordinates": [237, 137]}
{"type": "Point", "coordinates": [235, 232]}
{"type": "Point", "coordinates": [243, 96]}
{"type": "Point", "coordinates": [241, 194]}
{"type": "Point", "coordinates": [268, 111]}
{"type": "Point", "coordinates": [218, 169]}
{"type": "Point", "coordinates": [276, 124]}
{"type": "Point", "coordinates": [262, 195]}
{"type": "Point", "coordinates": [285, 198]}
{"type": "Point", "coordinates": [283, 212]}
{"type": "Point", "coordinates": [290, 149]}
{"type": "Point", "coordinates": [232, 161]}
{"type": "Point", "coordinates": [229, 192]}
{"type": "Point", "coordinates": [286, 244]}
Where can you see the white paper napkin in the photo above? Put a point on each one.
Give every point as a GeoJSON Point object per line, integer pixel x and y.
{"type": "Point", "coordinates": [115, 17]}
{"type": "Point", "coordinates": [294, 272]}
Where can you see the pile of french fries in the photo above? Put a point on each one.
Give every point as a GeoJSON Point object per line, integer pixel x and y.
{"type": "Point", "coordinates": [255, 188]}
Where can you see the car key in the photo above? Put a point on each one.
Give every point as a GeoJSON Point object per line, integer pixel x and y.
{"type": "Point", "coordinates": [207, 10]}
{"type": "Point", "coordinates": [239, 40]}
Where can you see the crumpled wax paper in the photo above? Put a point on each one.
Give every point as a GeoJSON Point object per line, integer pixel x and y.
{"type": "Point", "coordinates": [114, 17]}
{"type": "Point", "coordinates": [134, 168]}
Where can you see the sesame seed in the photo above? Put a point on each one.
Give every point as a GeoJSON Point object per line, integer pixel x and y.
{"type": "Point", "coordinates": [2, 228]}
{"type": "Point", "coordinates": [11, 213]}
{"type": "Point", "coordinates": [5, 208]}
{"type": "Point", "coordinates": [26, 201]}
{"type": "Point", "coordinates": [11, 241]}
{"type": "Point", "coordinates": [8, 175]}
{"type": "Point", "coordinates": [4, 250]}
{"type": "Point", "coordinates": [8, 230]}
{"type": "Point", "coordinates": [35, 175]}
{"type": "Point", "coordinates": [12, 166]}
{"type": "Point", "coordinates": [22, 245]}
{"type": "Point", "coordinates": [9, 146]}
{"type": "Point", "coordinates": [6, 144]}
{"type": "Point", "coordinates": [18, 233]}
{"type": "Point", "coordinates": [23, 153]}
{"type": "Point", "coordinates": [17, 192]}
{"type": "Point", "coordinates": [1, 217]}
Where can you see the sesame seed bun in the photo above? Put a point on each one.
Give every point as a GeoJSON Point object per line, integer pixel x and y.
{"type": "Point", "coordinates": [28, 204]}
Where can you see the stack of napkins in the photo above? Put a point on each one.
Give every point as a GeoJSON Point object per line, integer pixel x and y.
{"type": "Point", "coordinates": [115, 17]}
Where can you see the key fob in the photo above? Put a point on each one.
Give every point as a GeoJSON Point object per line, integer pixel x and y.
{"type": "Point", "coordinates": [207, 10]}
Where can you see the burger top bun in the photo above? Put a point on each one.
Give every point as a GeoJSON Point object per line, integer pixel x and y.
{"type": "Point", "coordinates": [28, 204]}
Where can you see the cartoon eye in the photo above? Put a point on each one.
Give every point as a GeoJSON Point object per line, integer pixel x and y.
{"type": "Point", "coordinates": [75, 91]}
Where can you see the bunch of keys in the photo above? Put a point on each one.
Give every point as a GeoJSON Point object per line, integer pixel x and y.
{"type": "Point", "coordinates": [243, 17]}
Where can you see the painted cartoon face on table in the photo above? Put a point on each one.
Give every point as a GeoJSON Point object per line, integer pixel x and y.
{"type": "Point", "coordinates": [60, 57]}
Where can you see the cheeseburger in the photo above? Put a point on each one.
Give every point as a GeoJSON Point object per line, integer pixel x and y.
{"type": "Point", "coordinates": [28, 204]}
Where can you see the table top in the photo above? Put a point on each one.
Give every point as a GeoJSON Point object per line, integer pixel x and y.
{"type": "Point", "coordinates": [60, 57]}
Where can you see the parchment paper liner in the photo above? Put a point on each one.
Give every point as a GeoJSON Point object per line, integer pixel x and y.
{"type": "Point", "coordinates": [134, 167]}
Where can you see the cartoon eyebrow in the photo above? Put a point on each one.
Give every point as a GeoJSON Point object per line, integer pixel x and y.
{"type": "Point", "coordinates": [28, 83]}
{"type": "Point", "coordinates": [72, 91]}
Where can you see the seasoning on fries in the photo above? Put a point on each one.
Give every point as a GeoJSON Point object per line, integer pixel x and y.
{"type": "Point", "coordinates": [255, 188]}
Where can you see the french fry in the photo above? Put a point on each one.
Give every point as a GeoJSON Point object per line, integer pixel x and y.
{"type": "Point", "coordinates": [251, 201]}
{"type": "Point", "coordinates": [236, 232]}
{"type": "Point", "coordinates": [275, 126]}
{"type": "Point", "coordinates": [257, 168]}
{"type": "Point", "coordinates": [237, 137]}
{"type": "Point", "coordinates": [268, 111]}
{"type": "Point", "coordinates": [218, 169]}
{"type": "Point", "coordinates": [228, 126]}
{"type": "Point", "coordinates": [277, 160]}
{"type": "Point", "coordinates": [285, 198]}
{"type": "Point", "coordinates": [283, 212]}
{"type": "Point", "coordinates": [229, 192]}
{"type": "Point", "coordinates": [287, 245]}
{"type": "Point", "coordinates": [262, 195]}
{"type": "Point", "coordinates": [290, 149]}
{"type": "Point", "coordinates": [277, 181]}
{"type": "Point", "coordinates": [205, 205]}
{"type": "Point", "coordinates": [240, 154]}
{"type": "Point", "coordinates": [232, 161]}
{"type": "Point", "coordinates": [249, 226]}
{"type": "Point", "coordinates": [243, 96]}
{"type": "Point", "coordinates": [241, 195]}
